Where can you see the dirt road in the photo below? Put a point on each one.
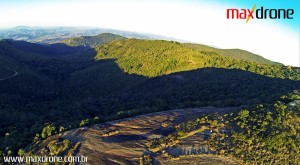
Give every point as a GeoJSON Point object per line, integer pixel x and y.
{"type": "Point", "coordinates": [11, 76]}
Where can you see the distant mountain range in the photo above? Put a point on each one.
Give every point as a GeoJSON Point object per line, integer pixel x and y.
{"type": "Point", "coordinates": [92, 41]}
{"type": "Point", "coordinates": [76, 36]}
{"type": "Point", "coordinates": [58, 34]}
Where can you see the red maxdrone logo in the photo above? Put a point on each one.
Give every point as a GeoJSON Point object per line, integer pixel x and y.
{"type": "Point", "coordinates": [260, 13]}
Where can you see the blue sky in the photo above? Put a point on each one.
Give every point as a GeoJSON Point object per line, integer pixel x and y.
{"type": "Point", "coordinates": [199, 21]}
{"type": "Point", "coordinates": [294, 4]}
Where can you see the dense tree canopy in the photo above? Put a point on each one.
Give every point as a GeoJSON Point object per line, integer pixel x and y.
{"type": "Point", "coordinates": [92, 41]}
{"type": "Point", "coordinates": [153, 58]}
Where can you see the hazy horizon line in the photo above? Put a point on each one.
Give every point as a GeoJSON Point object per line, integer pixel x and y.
{"type": "Point", "coordinates": [120, 30]}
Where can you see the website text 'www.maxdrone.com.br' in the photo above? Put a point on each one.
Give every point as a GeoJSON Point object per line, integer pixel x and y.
{"type": "Point", "coordinates": [45, 159]}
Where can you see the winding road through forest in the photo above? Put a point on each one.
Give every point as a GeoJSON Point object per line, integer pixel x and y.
{"type": "Point", "coordinates": [11, 76]}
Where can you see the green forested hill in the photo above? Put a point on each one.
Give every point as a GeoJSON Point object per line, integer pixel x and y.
{"type": "Point", "coordinates": [41, 49]}
{"type": "Point", "coordinates": [92, 41]}
{"type": "Point", "coordinates": [247, 56]}
{"type": "Point", "coordinates": [155, 58]}
{"type": "Point", "coordinates": [232, 53]}
{"type": "Point", "coordinates": [15, 60]}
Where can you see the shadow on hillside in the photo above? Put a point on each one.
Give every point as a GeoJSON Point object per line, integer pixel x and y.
{"type": "Point", "coordinates": [101, 87]}
{"type": "Point", "coordinates": [201, 87]}
{"type": "Point", "coordinates": [57, 49]}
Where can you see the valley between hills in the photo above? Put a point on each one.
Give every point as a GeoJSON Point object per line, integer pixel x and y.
{"type": "Point", "coordinates": [132, 99]}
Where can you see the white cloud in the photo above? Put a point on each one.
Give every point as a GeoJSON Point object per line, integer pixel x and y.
{"type": "Point", "coordinates": [197, 22]}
